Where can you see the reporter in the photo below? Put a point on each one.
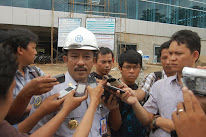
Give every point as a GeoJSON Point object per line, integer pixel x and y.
{"type": "Point", "coordinates": [22, 43]}
{"type": "Point", "coordinates": [189, 119]}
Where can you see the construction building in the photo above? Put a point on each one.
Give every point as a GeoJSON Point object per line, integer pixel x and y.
{"type": "Point", "coordinates": [140, 24]}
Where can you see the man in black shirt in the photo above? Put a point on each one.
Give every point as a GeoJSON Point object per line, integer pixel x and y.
{"type": "Point", "coordinates": [104, 59]}
{"type": "Point", "coordinates": [130, 63]}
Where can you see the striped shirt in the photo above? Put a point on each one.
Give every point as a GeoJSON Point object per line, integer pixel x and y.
{"type": "Point", "coordinates": [147, 83]}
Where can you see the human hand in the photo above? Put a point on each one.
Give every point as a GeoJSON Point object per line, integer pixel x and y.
{"type": "Point", "coordinates": [201, 67]}
{"type": "Point", "coordinates": [129, 96]}
{"type": "Point", "coordinates": [191, 122]}
{"type": "Point", "coordinates": [71, 102]}
{"type": "Point", "coordinates": [51, 104]}
{"type": "Point", "coordinates": [112, 102]}
{"type": "Point", "coordinates": [40, 85]}
{"type": "Point", "coordinates": [96, 93]}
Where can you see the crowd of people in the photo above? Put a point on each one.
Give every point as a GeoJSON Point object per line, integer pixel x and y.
{"type": "Point", "coordinates": [159, 107]}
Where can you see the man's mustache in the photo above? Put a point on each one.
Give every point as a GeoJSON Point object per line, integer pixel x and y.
{"type": "Point", "coordinates": [80, 69]}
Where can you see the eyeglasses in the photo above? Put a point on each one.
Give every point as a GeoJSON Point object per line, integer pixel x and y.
{"type": "Point", "coordinates": [131, 67]}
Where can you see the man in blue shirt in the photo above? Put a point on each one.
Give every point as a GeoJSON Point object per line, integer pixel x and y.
{"type": "Point", "coordinates": [22, 42]}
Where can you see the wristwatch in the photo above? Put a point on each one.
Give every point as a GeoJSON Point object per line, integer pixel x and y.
{"type": "Point", "coordinates": [154, 122]}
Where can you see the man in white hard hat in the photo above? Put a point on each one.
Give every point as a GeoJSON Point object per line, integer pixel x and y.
{"type": "Point", "coordinates": [141, 74]}
{"type": "Point", "coordinates": [79, 51]}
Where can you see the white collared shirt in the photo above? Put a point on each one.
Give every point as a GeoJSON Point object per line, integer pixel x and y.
{"type": "Point", "coordinates": [76, 114]}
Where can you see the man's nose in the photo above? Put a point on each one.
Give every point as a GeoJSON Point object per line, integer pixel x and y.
{"type": "Point", "coordinates": [80, 61]}
{"type": "Point", "coordinates": [167, 61]}
{"type": "Point", "coordinates": [35, 52]}
{"type": "Point", "coordinates": [172, 57]}
{"type": "Point", "coordinates": [131, 69]}
{"type": "Point", "coordinates": [106, 64]}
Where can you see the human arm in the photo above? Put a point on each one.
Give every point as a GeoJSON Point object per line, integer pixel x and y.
{"type": "Point", "coordinates": [129, 97]}
{"type": "Point", "coordinates": [114, 116]}
{"type": "Point", "coordinates": [48, 106]}
{"type": "Point", "coordinates": [192, 121]}
{"type": "Point", "coordinates": [145, 87]}
{"type": "Point", "coordinates": [85, 125]}
{"type": "Point", "coordinates": [28, 109]}
{"type": "Point", "coordinates": [165, 124]}
{"type": "Point", "coordinates": [70, 103]}
{"type": "Point", "coordinates": [140, 94]}
{"type": "Point", "coordinates": [37, 86]}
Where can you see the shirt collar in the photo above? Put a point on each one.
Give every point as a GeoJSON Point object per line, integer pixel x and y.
{"type": "Point", "coordinates": [163, 74]}
{"type": "Point", "coordinates": [70, 79]}
{"type": "Point", "coordinates": [27, 70]}
{"type": "Point", "coordinates": [173, 79]}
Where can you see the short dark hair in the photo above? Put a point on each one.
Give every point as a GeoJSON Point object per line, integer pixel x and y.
{"type": "Point", "coordinates": [20, 37]}
{"type": "Point", "coordinates": [165, 45]}
{"type": "Point", "coordinates": [103, 51]}
{"type": "Point", "coordinates": [8, 68]}
{"type": "Point", "coordinates": [189, 38]}
{"type": "Point", "coordinates": [130, 56]}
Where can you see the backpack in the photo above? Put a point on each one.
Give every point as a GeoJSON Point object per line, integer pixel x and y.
{"type": "Point", "coordinates": [158, 75]}
{"type": "Point", "coordinates": [35, 73]}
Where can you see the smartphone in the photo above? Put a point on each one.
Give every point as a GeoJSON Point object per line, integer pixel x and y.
{"type": "Point", "coordinates": [115, 82]}
{"type": "Point", "coordinates": [113, 88]}
{"type": "Point", "coordinates": [64, 92]}
{"type": "Point", "coordinates": [60, 78]}
{"type": "Point", "coordinates": [80, 90]}
{"type": "Point", "coordinates": [195, 80]}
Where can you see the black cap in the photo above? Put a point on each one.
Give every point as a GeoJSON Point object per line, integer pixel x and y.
{"type": "Point", "coordinates": [4, 35]}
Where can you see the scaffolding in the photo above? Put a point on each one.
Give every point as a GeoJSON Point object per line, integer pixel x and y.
{"type": "Point", "coordinates": [92, 7]}
{"type": "Point", "coordinates": [54, 31]}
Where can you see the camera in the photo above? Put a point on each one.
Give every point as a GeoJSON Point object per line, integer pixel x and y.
{"type": "Point", "coordinates": [60, 78]}
{"type": "Point", "coordinates": [195, 80]}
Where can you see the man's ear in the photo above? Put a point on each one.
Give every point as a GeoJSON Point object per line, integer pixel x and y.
{"type": "Point", "coordinates": [120, 69]}
{"type": "Point", "coordinates": [19, 50]}
{"type": "Point", "coordinates": [95, 60]}
{"type": "Point", "coordinates": [112, 60]}
{"type": "Point", "coordinates": [196, 55]}
{"type": "Point", "coordinates": [65, 59]}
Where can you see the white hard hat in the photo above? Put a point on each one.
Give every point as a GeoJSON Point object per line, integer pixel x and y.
{"type": "Point", "coordinates": [140, 52]}
{"type": "Point", "coordinates": [81, 38]}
